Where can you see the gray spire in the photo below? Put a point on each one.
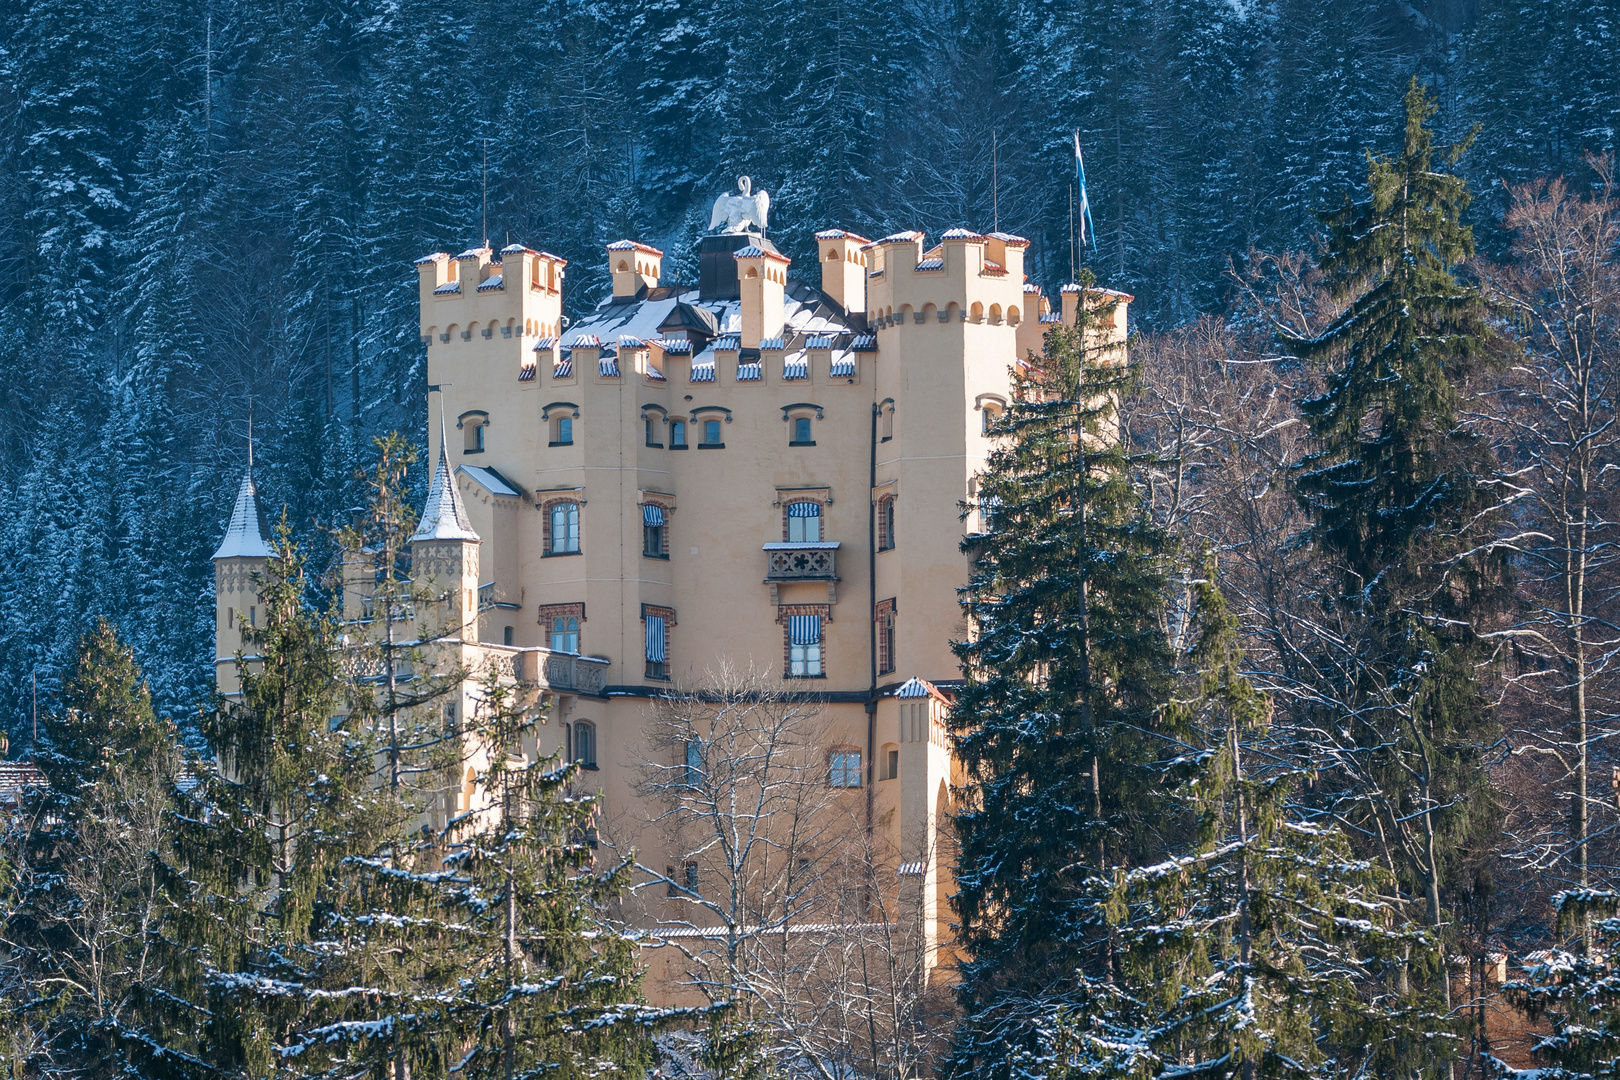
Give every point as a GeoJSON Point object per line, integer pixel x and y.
{"type": "Point", "coordinates": [244, 536]}
{"type": "Point", "coordinates": [444, 517]}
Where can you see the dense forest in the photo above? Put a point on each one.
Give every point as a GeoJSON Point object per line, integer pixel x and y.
{"type": "Point", "coordinates": [208, 210]}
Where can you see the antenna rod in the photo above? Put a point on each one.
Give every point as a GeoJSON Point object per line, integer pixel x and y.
{"type": "Point", "coordinates": [33, 677]}
{"type": "Point", "coordinates": [486, 193]}
{"type": "Point", "coordinates": [995, 184]}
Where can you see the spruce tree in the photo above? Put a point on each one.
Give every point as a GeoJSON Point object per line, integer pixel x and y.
{"type": "Point", "coordinates": [1401, 505]}
{"type": "Point", "coordinates": [1576, 993]}
{"type": "Point", "coordinates": [483, 949]}
{"type": "Point", "coordinates": [259, 844]}
{"type": "Point", "coordinates": [1263, 949]}
{"type": "Point", "coordinates": [83, 859]}
{"type": "Point", "coordinates": [1066, 673]}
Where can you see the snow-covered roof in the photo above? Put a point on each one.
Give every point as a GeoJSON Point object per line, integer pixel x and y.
{"type": "Point", "coordinates": [772, 343]}
{"type": "Point", "coordinates": [840, 234]}
{"type": "Point", "coordinates": [1009, 238]}
{"type": "Point", "coordinates": [931, 264]}
{"type": "Point", "coordinates": [1031, 287]}
{"type": "Point", "coordinates": [244, 536]}
{"type": "Point", "coordinates": [676, 346]}
{"type": "Point", "coordinates": [585, 341]}
{"type": "Point", "coordinates": [703, 372]}
{"type": "Point", "coordinates": [563, 369]}
{"type": "Point", "coordinates": [545, 344]}
{"type": "Point", "coordinates": [754, 251]}
{"type": "Point", "coordinates": [842, 367]}
{"type": "Point", "coordinates": [960, 234]}
{"type": "Point", "coordinates": [994, 269]}
{"type": "Point", "coordinates": [864, 343]}
{"type": "Point", "coordinates": [437, 256]}
{"type": "Point", "coordinates": [608, 367]}
{"type": "Point", "coordinates": [490, 480]}
{"type": "Point", "coordinates": [447, 288]}
{"type": "Point", "coordinates": [526, 373]}
{"type": "Point", "coordinates": [495, 281]}
{"type": "Point", "coordinates": [633, 245]}
{"type": "Point", "coordinates": [728, 343]}
{"type": "Point", "coordinates": [919, 688]}
{"type": "Point", "coordinates": [819, 341]}
{"type": "Point", "coordinates": [444, 517]}
{"type": "Point", "coordinates": [909, 236]}
{"type": "Point", "coordinates": [473, 253]}
{"type": "Point", "coordinates": [628, 342]}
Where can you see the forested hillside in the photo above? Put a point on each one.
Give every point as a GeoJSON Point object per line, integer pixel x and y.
{"type": "Point", "coordinates": [209, 209]}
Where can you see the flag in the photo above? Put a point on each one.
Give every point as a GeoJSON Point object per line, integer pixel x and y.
{"type": "Point", "coordinates": [1086, 229]}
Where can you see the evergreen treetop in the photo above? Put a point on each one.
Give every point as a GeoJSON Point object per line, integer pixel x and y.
{"type": "Point", "coordinates": [1066, 673]}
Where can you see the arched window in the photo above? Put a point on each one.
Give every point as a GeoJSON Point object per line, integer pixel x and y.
{"type": "Point", "coordinates": [473, 428]}
{"type": "Point", "coordinates": [565, 634]}
{"type": "Point", "coordinates": [564, 528]}
{"type": "Point", "coordinates": [468, 786]}
{"type": "Point", "coordinates": [562, 431]}
{"type": "Point", "coordinates": [677, 434]}
{"type": "Point", "coordinates": [585, 743]}
{"type": "Point", "coordinates": [887, 409]}
{"type": "Point", "coordinates": [801, 432]}
{"type": "Point", "coordinates": [803, 522]}
{"type": "Point", "coordinates": [885, 523]}
{"type": "Point", "coordinates": [987, 417]}
{"type": "Point", "coordinates": [508, 635]}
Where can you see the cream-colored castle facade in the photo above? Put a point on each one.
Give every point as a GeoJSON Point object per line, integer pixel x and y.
{"type": "Point", "coordinates": [768, 468]}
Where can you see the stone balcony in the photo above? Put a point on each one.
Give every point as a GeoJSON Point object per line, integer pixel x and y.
{"type": "Point", "coordinates": [813, 561]}
{"type": "Point", "coordinates": [551, 672]}
{"type": "Point", "coordinates": [817, 561]}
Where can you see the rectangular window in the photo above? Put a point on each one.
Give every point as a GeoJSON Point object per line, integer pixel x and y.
{"type": "Point", "coordinates": [803, 523]}
{"type": "Point", "coordinates": [652, 432]}
{"type": "Point", "coordinates": [885, 636]}
{"type": "Point", "coordinates": [657, 655]}
{"type": "Point", "coordinates": [562, 431]}
{"type": "Point", "coordinates": [694, 763]}
{"type": "Point", "coordinates": [677, 435]}
{"type": "Point", "coordinates": [692, 879]}
{"type": "Point", "coordinates": [565, 634]}
{"type": "Point", "coordinates": [892, 769]}
{"type": "Point", "coordinates": [844, 768]}
{"type": "Point", "coordinates": [653, 543]}
{"type": "Point", "coordinates": [804, 646]}
{"type": "Point", "coordinates": [564, 521]}
{"type": "Point", "coordinates": [711, 433]}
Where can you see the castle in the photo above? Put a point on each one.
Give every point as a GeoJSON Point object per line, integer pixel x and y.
{"type": "Point", "coordinates": [764, 466]}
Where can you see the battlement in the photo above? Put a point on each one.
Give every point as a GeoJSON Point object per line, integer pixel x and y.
{"type": "Point", "coordinates": [967, 277]}
{"type": "Point", "coordinates": [475, 295]}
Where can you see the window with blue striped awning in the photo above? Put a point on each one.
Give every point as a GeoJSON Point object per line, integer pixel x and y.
{"type": "Point", "coordinates": [804, 510]}
{"type": "Point", "coordinates": [804, 629]}
{"type": "Point", "coordinates": [652, 514]}
{"type": "Point", "coordinates": [655, 638]}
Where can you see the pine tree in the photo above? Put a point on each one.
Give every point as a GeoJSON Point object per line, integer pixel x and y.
{"type": "Point", "coordinates": [1065, 678]}
{"type": "Point", "coordinates": [1266, 949]}
{"type": "Point", "coordinates": [84, 857]}
{"type": "Point", "coordinates": [1577, 993]}
{"type": "Point", "coordinates": [1401, 507]}
{"type": "Point", "coordinates": [260, 843]}
{"type": "Point", "coordinates": [483, 950]}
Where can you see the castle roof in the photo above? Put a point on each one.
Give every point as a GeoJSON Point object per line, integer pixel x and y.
{"type": "Point", "coordinates": [244, 536]}
{"type": "Point", "coordinates": [444, 517]}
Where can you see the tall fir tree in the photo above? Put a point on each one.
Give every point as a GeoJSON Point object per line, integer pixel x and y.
{"type": "Point", "coordinates": [259, 844]}
{"type": "Point", "coordinates": [1263, 949]}
{"type": "Point", "coordinates": [1066, 675]}
{"type": "Point", "coordinates": [83, 851]}
{"type": "Point", "coordinates": [1401, 504]}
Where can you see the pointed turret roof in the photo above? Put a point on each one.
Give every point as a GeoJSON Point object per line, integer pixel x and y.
{"type": "Point", "coordinates": [444, 517]}
{"type": "Point", "coordinates": [244, 536]}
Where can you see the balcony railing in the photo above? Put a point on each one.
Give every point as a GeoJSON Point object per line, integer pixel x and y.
{"type": "Point", "coordinates": [815, 561]}
{"type": "Point", "coordinates": [491, 595]}
{"type": "Point", "coordinates": [562, 671]}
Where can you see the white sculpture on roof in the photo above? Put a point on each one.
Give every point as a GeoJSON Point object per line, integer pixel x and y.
{"type": "Point", "coordinates": [741, 213]}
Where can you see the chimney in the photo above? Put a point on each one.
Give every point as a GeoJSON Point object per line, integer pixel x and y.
{"type": "Point", "coordinates": [762, 283]}
{"type": "Point", "coordinates": [635, 268]}
{"type": "Point", "coordinates": [843, 269]}
{"type": "Point", "coordinates": [1007, 251]}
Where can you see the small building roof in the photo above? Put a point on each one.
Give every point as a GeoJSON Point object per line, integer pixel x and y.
{"type": "Point", "coordinates": [490, 480]}
{"type": "Point", "coordinates": [244, 536]}
{"type": "Point", "coordinates": [920, 688]}
{"type": "Point", "coordinates": [634, 245]}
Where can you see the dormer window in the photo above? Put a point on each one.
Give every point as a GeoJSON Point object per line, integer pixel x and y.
{"type": "Point", "coordinates": [472, 425]}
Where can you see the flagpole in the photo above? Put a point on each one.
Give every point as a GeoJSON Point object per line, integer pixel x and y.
{"type": "Point", "coordinates": [1071, 232]}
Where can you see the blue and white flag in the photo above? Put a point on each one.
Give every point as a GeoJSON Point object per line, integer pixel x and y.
{"type": "Point", "coordinates": [1086, 230]}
